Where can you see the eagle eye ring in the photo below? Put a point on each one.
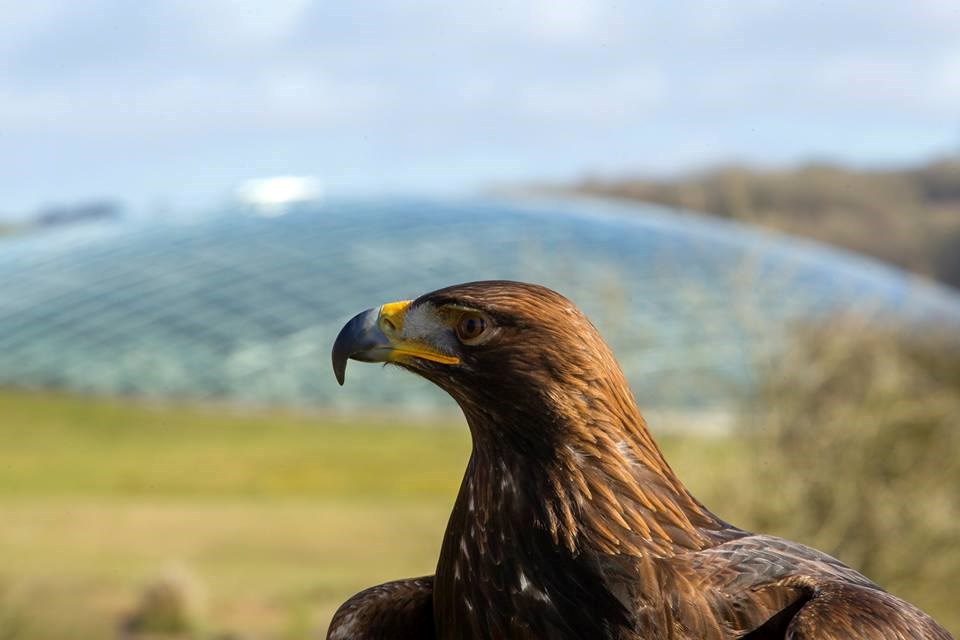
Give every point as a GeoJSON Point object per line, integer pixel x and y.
{"type": "Point", "coordinates": [471, 327]}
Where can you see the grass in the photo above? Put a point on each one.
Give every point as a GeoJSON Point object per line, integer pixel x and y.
{"type": "Point", "coordinates": [66, 446]}
{"type": "Point", "coordinates": [280, 516]}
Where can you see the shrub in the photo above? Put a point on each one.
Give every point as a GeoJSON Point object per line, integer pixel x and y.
{"type": "Point", "coordinates": [170, 605]}
{"type": "Point", "coordinates": [858, 453]}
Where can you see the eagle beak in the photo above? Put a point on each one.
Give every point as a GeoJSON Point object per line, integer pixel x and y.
{"type": "Point", "coordinates": [376, 335]}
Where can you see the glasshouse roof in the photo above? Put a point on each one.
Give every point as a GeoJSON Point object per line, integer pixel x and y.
{"type": "Point", "coordinates": [244, 307]}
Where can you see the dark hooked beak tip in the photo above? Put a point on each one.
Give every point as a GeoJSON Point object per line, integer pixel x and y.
{"type": "Point", "coordinates": [360, 336]}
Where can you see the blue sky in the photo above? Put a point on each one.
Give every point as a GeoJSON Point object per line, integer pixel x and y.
{"type": "Point", "coordinates": [177, 101]}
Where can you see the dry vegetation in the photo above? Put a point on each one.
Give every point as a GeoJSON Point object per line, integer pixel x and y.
{"type": "Point", "coordinates": [857, 452]}
{"type": "Point", "coordinates": [910, 218]}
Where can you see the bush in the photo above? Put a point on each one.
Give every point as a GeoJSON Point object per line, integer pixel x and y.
{"type": "Point", "coordinates": [170, 605]}
{"type": "Point", "coordinates": [858, 442]}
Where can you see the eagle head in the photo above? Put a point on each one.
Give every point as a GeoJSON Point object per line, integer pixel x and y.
{"type": "Point", "coordinates": [495, 346]}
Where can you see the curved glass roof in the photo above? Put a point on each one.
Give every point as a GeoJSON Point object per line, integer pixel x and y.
{"type": "Point", "coordinates": [246, 307]}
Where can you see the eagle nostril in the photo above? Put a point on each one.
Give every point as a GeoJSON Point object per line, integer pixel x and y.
{"type": "Point", "coordinates": [388, 324]}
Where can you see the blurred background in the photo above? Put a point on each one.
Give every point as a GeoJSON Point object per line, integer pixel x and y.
{"type": "Point", "coordinates": [757, 203]}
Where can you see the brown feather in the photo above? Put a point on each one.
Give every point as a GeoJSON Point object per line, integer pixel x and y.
{"type": "Point", "coordinates": [570, 524]}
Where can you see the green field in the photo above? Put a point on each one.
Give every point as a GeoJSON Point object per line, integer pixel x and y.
{"type": "Point", "coordinates": [278, 517]}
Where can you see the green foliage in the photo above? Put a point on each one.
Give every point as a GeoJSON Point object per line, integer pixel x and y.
{"type": "Point", "coordinates": [858, 454]}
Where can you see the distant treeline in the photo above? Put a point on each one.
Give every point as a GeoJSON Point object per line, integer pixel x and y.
{"type": "Point", "coordinates": [908, 217]}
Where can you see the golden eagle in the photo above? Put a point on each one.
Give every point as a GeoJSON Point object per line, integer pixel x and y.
{"type": "Point", "coordinates": [569, 523]}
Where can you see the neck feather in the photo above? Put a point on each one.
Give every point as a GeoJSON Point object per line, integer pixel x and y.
{"type": "Point", "coordinates": [583, 467]}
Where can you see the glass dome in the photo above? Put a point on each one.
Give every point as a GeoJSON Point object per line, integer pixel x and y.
{"type": "Point", "coordinates": [245, 307]}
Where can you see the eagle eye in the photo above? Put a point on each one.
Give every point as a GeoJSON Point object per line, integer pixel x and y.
{"type": "Point", "coordinates": [471, 326]}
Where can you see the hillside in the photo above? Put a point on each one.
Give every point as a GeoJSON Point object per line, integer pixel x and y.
{"type": "Point", "coordinates": [908, 217]}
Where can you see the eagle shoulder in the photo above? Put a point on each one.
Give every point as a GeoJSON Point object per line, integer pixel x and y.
{"type": "Point", "coordinates": [806, 593]}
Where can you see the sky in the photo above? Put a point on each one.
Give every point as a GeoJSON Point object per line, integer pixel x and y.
{"type": "Point", "coordinates": [161, 103]}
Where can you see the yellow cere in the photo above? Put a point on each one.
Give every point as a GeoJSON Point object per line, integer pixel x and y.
{"type": "Point", "coordinates": [391, 315]}
{"type": "Point", "coordinates": [391, 320]}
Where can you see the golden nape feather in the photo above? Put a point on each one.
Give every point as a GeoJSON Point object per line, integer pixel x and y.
{"type": "Point", "coordinates": [569, 523]}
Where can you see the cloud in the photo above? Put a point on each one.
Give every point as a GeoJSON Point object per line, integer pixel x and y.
{"type": "Point", "coordinates": [892, 84]}
{"type": "Point", "coordinates": [287, 99]}
{"type": "Point", "coordinates": [607, 99]}
{"type": "Point", "coordinates": [563, 21]}
{"type": "Point", "coordinates": [243, 22]}
{"type": "Point", "coordinates": [461, 91]}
